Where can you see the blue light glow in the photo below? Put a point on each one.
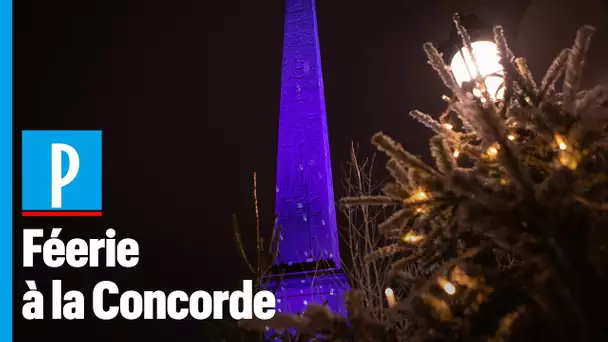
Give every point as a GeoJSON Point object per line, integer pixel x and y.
{"type": "Point", "coordinates": [304, 194]}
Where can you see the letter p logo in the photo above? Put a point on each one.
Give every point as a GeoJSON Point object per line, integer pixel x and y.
{"type": "Point", "coordinates": [61, 173]}
{"type": "Point", "coordinates": [58, 181]}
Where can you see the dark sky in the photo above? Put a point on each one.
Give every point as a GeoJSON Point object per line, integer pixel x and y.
{"type": "Point", "coordinates": [187, 93]}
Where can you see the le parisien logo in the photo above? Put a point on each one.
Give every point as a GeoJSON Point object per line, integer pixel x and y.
{"type": "Point", "coordinates": [61, 173]}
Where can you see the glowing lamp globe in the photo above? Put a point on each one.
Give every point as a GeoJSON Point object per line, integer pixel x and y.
{"type": "Point", "coordinates": [486, 56]}
{"type": "Point", "coordinates": [488, 62]}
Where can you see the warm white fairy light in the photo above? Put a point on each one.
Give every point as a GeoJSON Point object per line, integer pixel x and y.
{"type": "Point", "coordinates": [456, 154]}
{"type": "Point", "coordinates": [390, 297]}
{"type": "Point", "coordinates": [492, 151]}
{"type": "Point", "coordinates": [458, 276]}
{"type": "Point", "coordinates": [448, 287]}
{"type": "Point", "coordinates": [511, 137]}
{"type": "Point", "coordinates": [560, 142]}
{"type": "Point", "coordinates": [412, 238]}
{"type": "Point", "coordinates": [448, 126]}
{"type": "Point", "coordinates": [421, 195]}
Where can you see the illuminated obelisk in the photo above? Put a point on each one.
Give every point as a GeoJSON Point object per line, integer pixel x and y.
{"type": "Point", "coordinates": [309, 256]}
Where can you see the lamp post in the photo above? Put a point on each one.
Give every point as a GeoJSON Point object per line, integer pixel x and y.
{"type": "Point", "coordinates": [485, 52]}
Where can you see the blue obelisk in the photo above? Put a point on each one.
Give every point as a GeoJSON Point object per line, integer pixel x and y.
{"type": "Point", "coordinates": [309, 255]}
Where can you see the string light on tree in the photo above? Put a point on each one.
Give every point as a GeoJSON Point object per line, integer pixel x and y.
{"type": "Point", "coordinates": [421, 210]}
{"type": "Point", "coordinates": [560, 142]}
{"type": "Point", "coordinates": [448, 287]}
{"type": "Point", "coordinates": [421, 195]}
{"type": "Point", "coordinates": [412, 237]}
{"type": "Point", "coordinates": [568, 155]}
{"type": "Point", "coordinates": [492, 151]}
{"type": "Point", "coordinates": [390, 297]}
{"type": "Point", "coordinates": [461, 278]}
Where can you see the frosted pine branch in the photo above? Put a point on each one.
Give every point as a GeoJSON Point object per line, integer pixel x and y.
{"type": "Point", "coordinates": [396, 151]}
{"type": "Point", "coordinates": [574, 68]}
{"type": "Point", "coordinates": [555, 71]}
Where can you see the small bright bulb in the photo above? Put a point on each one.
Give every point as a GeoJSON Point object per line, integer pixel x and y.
{"type": "Point", "coordinates": [456, 154]}
{"type": "Point", "coordinates": [448, 126]}
{"type": "Point", "coordinates": [560, 142]}
{"type": "Point", "coordinates": [511, 137]}
{"type": "Point", "coordinates": [421, 195]}
{"type": "Point", "coordinates": [390, 297]}
{"type": "Point", "coordinates": [411, 237]}
{"type": "Point", "coordinates": [492, 151]}
{"type": "Point", "coordinates": [448, 287]}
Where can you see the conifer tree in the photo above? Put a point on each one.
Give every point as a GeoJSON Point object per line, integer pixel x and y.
{"type": "Point", "coordinates": [509, 228]}
{"type": "Point", "coordinates": [508, 231]}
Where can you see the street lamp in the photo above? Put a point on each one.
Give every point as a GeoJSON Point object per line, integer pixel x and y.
{"type": "Point", "coordinates": [486, 55]}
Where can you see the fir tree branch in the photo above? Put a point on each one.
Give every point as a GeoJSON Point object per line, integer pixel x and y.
{"type": "Point", "coordinates": [367, 201]}
{"type": "Point", "coordinates": [444, 157]}
{"type": "Point", "coordinates": [399, 173]}
{"type": "Point", "coordinates": [522, 66]}
{"type": "Point", "coordinates": [395, 191]}
{"type": "Point", "coordinates": [435, 59]}
{"type": "Point", "coordinates": [396, 151]}
{"type": "Point", "coordinates": [574, 68]}
{"type": "Point", "coordinates": [396, 222]}
{"type": "Point", "coordinates": [553, 73]}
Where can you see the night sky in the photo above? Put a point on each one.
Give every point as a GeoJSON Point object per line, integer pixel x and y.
{"type": "Point", "coordinates": [187, 93]}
